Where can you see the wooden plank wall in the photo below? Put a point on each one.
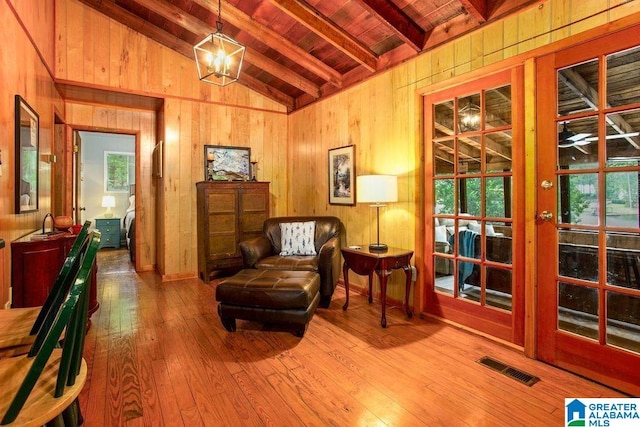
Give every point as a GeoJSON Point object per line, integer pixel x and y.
{"type": "Point", "coordinates": [37, 17]}
{"type": "Point", "coordinates": [191, 125]}
{"type": "Point", "coordinates": [382, 117]}
{"type": "Point", "coordinates": [25, 60]}
{"type": "Point", "coordinates": [95, 51]}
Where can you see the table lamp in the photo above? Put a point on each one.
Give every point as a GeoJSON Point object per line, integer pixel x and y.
{"type": "Point", "coordinates": [378, 190]}
{"type": "Point", "coordinates": [108, 202]}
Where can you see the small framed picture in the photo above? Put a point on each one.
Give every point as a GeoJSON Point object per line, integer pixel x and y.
{"type": "Point", "coordinates": [342, 174]}
{"type": "Point", "coordinates": [227, 163]}
{"type": "Point", "coordinates": [27, 140]}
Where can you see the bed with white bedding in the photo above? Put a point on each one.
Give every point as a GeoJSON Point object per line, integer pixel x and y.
{"type": "Point", "coordinates": [128, 224]}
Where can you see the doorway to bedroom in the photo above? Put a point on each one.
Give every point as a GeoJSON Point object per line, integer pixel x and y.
{"type": "Point", "coordinates": [105, 178]}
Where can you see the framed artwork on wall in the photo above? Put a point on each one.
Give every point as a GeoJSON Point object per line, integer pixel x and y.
{"type": "Point", "coordinates": [27, 143]}
{"type": "Point", "coordinates": [342, 174]}
{"type": "Point", "coordinates": [227, 163]}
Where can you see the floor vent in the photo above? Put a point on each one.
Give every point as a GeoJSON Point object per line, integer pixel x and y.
{"type": "Point", "coordinates": [509, 371]}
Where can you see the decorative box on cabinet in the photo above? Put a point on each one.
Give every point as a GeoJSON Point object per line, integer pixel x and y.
{"type": "Point", "coordinates": [110, 230]}
{"type": "Point", "coordinates": [228, 212]}
{"type": "Point", "coordinates": [35, 264]}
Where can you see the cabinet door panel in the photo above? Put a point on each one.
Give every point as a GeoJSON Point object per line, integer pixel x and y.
{"type": "Point", "coordinates": [254, 202]}
{"type": "Point", "coordinates": [222, 245]}
{"type": "Point", "coordinates": [222, 202]}
{"type": "Point", "coordinates": [39, 271]}
{"type": "Point", "coordinates": [253, 223]}
{"type": "Point", "coordinates": [222, 224]}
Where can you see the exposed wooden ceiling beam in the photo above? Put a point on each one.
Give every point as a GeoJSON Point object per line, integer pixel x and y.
{"type": "Point", "coordinates": [266, 90]}
{"type": "Point", "coordinates": [121, 15]}
{"type": "Point", "coordinates": [476, 8]}
{"type": "Point", "coordinates": [198, 27]}
{"type": "Point", "coordinates": [322, 26]}
{"type": "Point", "coordinates": [445, 156]}
{"type": "Point", "coordinates": [260, 32]}
{"type": "Point", "coordinates": [284, 73]}
{"type": "Point", "coordinates": [398, 21]}
{"type": "Point", "coordinates": [589, 95]}
{"type": "Point", "coordinates": [127, 18]}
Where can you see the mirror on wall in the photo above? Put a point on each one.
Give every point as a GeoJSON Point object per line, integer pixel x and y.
{"type": "Point", "coordinates": [27, 141]}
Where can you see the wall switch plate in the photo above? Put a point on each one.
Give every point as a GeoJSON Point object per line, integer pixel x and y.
{"type": "Point", "coordinates": [414, 273]}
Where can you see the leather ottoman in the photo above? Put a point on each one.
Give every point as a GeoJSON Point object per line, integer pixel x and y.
{"type": "Point", "coordinates": [269, 296]}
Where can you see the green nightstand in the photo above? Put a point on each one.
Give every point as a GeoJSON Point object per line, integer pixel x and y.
{"type": "Point", "coordinates": [110, 229]}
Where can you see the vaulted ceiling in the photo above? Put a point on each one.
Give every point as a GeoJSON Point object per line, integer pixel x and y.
{"type": "Point", "coordinates": [300, 51]}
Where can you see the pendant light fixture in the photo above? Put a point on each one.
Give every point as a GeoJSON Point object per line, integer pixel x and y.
{"type": "Point", "coordinates": [219, 57]}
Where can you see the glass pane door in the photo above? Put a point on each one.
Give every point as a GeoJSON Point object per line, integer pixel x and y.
{"type": "Point", "coordinates": [589, 311]}
{"type": "Point", "coordinates": [471, 202]}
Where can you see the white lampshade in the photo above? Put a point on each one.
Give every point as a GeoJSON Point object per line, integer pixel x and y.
{"type": "Point", "coordinates": [108, 202]}
{"type": "Point", "coordinates": [377, 188]}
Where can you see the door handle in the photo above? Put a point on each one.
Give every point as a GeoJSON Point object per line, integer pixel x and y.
{"type": "Point", "coordinates": [545, 216]}
{"type": "Point", "coordinates": [546, 184]}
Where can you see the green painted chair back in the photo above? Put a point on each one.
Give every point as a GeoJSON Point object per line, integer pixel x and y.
{"type": "Point", "coordinates": [63, 282]}
{"type": "Point", "coordinates": [72, 315]}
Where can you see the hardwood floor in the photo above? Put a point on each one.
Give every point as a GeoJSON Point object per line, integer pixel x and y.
{"type": "Point", "coordinates": [158, 355]}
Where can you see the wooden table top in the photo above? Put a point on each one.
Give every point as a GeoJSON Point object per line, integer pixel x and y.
{"type": "Point", "coordinates": [364, 250]}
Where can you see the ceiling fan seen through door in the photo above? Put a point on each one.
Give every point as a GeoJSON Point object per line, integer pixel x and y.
{"type": "Point", "coordinates": [567, 139]}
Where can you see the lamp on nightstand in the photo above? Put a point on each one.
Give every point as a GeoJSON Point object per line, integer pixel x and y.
{"type": "Point", "coordinates": [108, 202]}
{"type": "Point", "coordinates": [378, 190]}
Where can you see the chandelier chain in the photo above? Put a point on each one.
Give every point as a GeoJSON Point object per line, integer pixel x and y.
{"type": "Point", "coordinates": [219, 57]}
{"type": "Point", "coordinates": [219, 21]}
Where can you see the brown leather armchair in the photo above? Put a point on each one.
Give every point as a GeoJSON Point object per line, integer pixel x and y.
{"type": "Point", "coordinates": [264, 252]}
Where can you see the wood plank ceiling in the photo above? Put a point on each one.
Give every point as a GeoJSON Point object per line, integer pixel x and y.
{"type": "Point", "coordinates": [301, 51]}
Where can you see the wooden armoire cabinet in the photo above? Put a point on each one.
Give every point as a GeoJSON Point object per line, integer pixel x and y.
{"type": "Point", "coordinates": [228, 213]}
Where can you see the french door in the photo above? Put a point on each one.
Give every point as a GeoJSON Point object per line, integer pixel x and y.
{"type": "Point", "coordinates": [474, 204]}
{"type": "Point", "coordinates": [588, 214]}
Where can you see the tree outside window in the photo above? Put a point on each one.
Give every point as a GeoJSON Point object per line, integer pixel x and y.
{"type": "Point", "coordinates": [119, 170]}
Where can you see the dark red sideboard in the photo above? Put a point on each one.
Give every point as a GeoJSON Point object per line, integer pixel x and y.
{"type": "Point", "coordinates": [35, 264]}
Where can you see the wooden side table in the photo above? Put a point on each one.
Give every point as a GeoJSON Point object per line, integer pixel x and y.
{"type": "Point", "coordinates": [364, 262]}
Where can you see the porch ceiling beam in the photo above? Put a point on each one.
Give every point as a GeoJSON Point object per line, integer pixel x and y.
{"type": "Point", "coordinates": [323, 27]}
{"type": "Point", "coordinates": [398, 21]}
{"type": "Point", "coordinates": [494, 148]}
{"type": "Point", "coordinates": [589, 95]}
{"type": "Point", "coordinates": [468, 150]}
